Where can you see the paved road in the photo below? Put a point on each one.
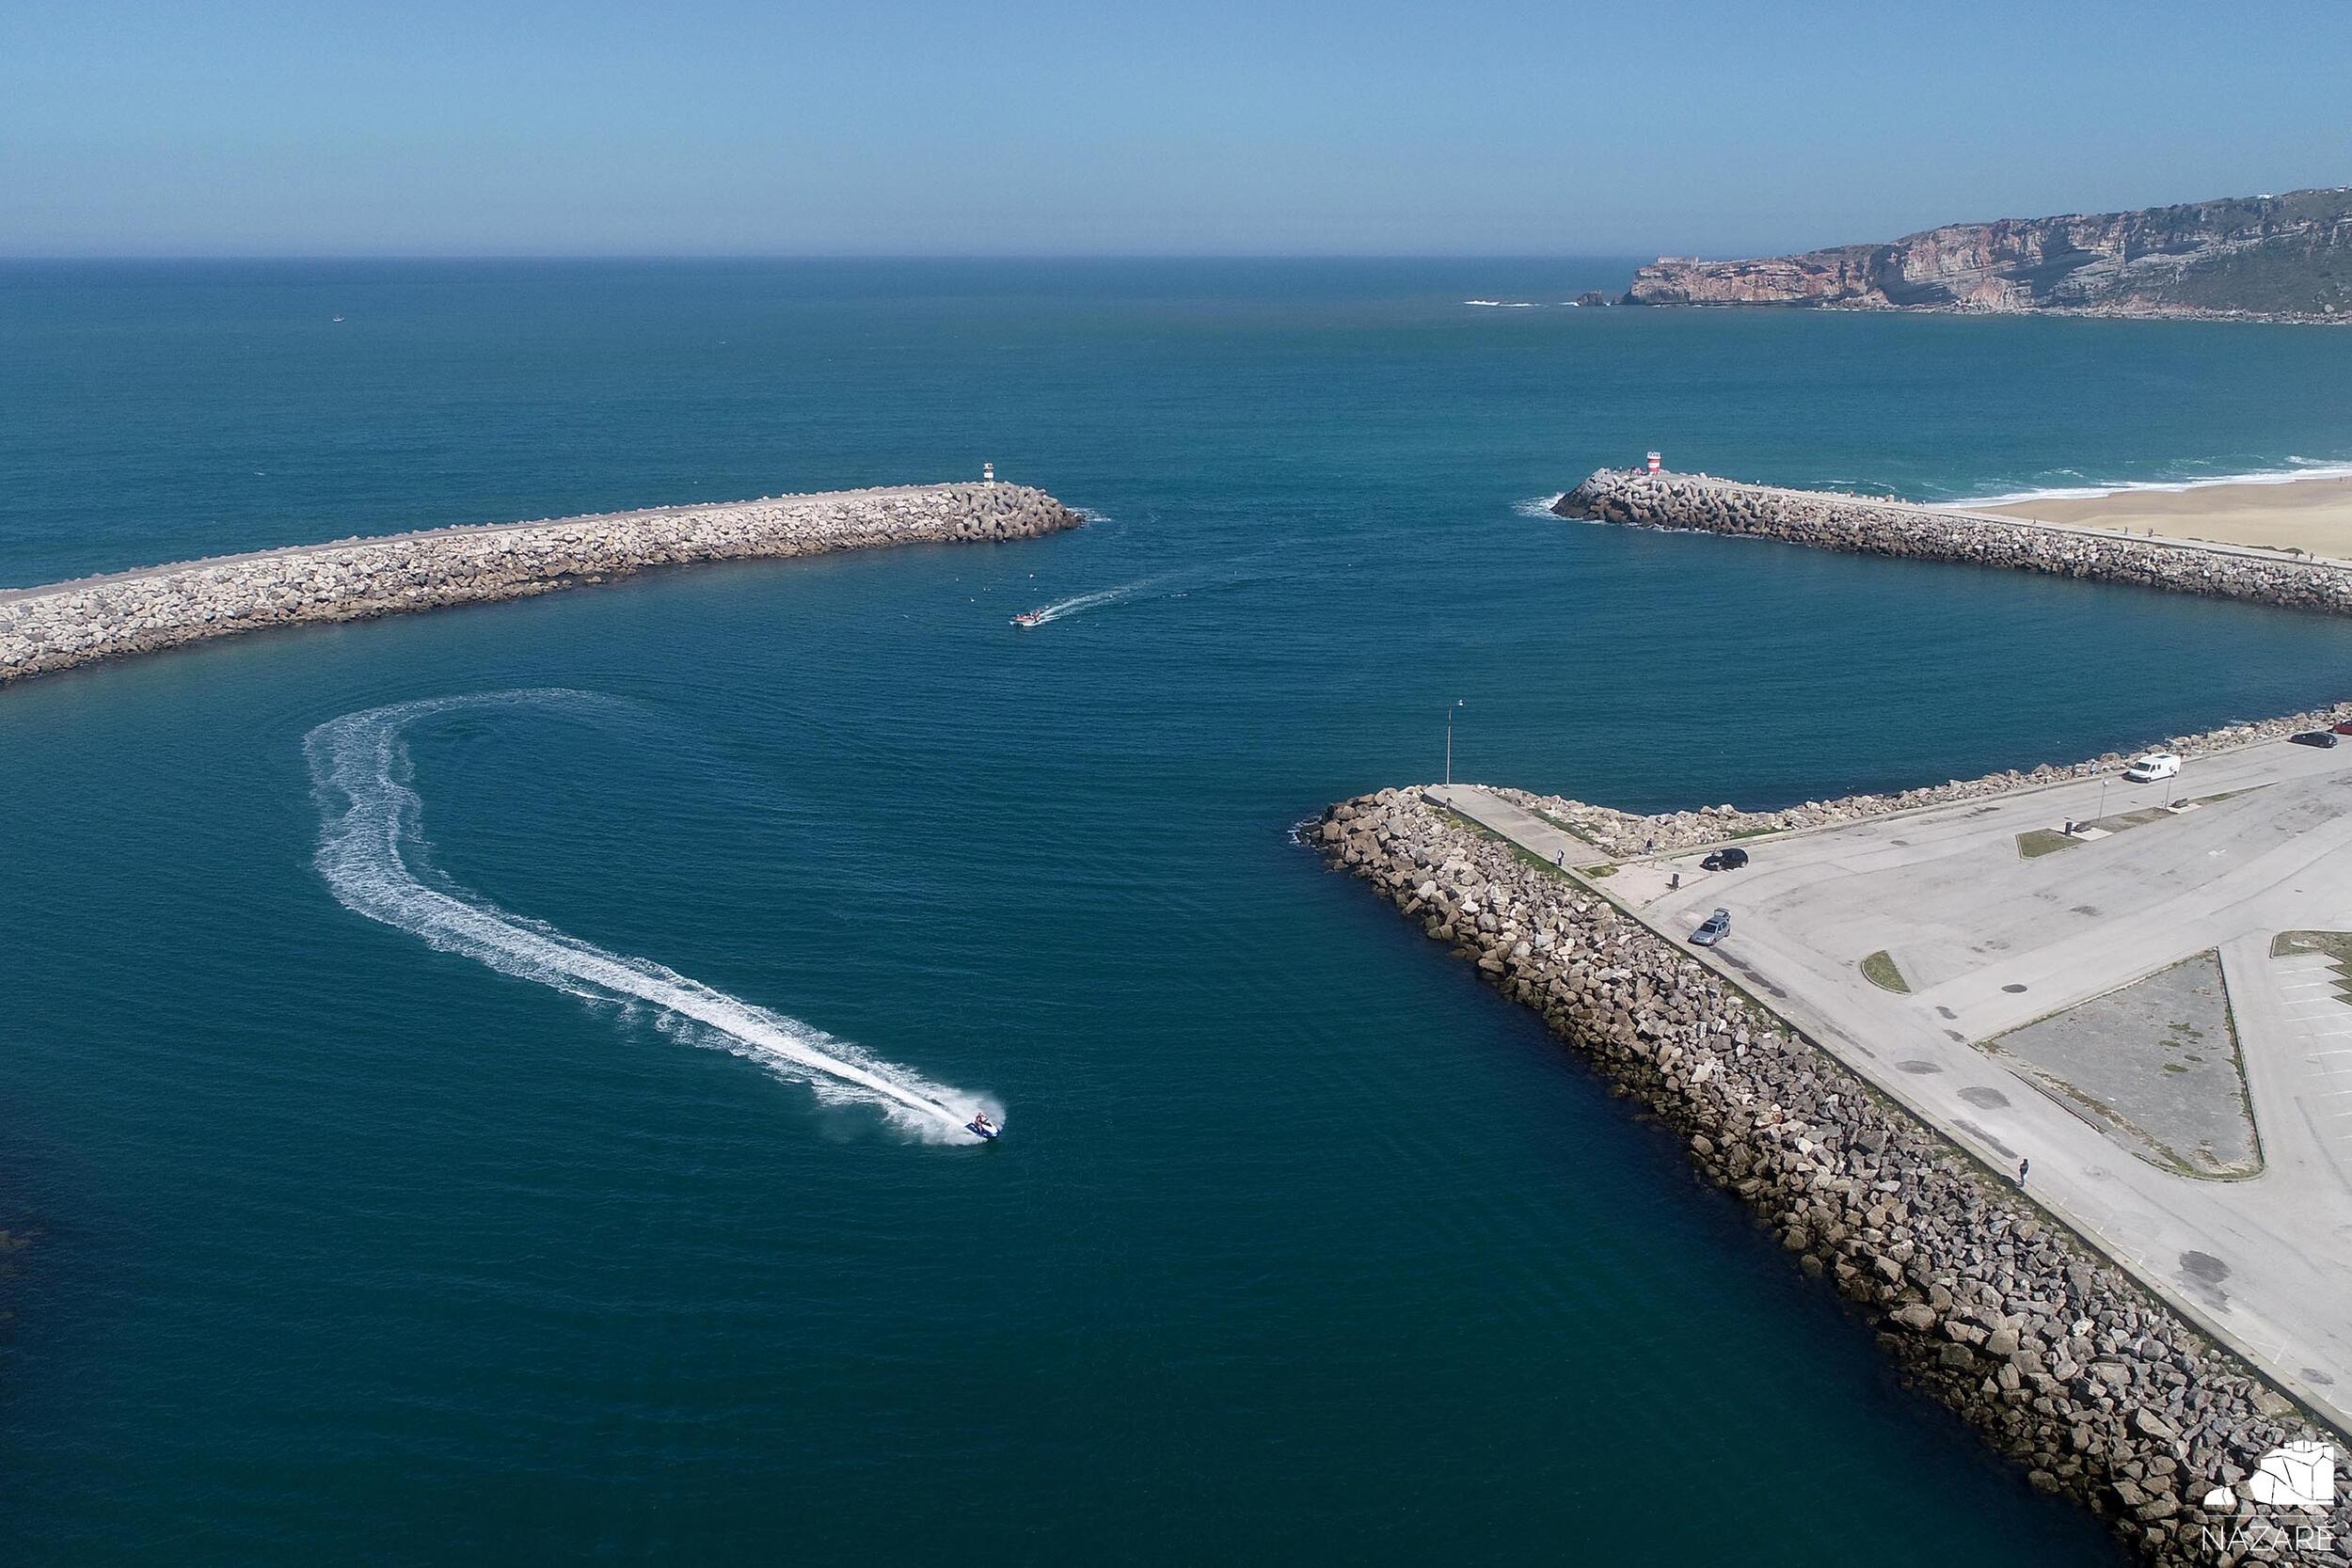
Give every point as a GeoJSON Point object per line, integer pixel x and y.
{"type": "Point", "coordinates": [1989, 939]}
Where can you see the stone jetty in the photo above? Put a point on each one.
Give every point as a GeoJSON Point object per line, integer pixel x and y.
{"type": "Point", "coordinates": [1621, 833]}
{"type": "Point", "coordinates": [2093, 1386]}
{"type": "Point", "coordinates": [1863, 526]}
{"type": "Point", "coordinates": [56, 627]}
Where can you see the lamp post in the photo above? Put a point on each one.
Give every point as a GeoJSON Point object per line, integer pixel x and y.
{"type": "Point", "coordinates": [1448, 741]}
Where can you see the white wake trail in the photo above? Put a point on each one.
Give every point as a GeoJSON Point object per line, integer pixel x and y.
{"type": "Point", "coordinates": [360, 769]}
{"type": "Point", "coordinates": [1093, 601]}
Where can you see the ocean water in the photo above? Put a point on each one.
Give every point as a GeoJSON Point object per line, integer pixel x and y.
{"type": "Point", "coordinates": [479, 1191]}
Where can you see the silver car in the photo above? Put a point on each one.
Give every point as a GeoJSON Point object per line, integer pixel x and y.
{"type": "Point", "coordinates": [1717, 926]}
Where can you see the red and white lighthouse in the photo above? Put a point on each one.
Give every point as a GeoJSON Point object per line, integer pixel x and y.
{"type": "Point", "coordinates": [1656, 462]}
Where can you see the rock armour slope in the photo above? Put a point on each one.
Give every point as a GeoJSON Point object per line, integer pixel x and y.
{"type": "Point", "coordinates": [1862, 526]}
{"type": "Point", "coordinates": [64, 624]}
{"type": "Point", "coordinates": [2091, 1386]}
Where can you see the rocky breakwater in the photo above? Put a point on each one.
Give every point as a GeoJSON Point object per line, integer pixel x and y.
{"type": "Point", "coordinates": [2093, 1387]}
{"type": "Point", "coordinates": [68, 624]}
{"type": "Point", "coordinates": [1862, 526]}
{"type": "Point", "coordinates": [1620, 833]}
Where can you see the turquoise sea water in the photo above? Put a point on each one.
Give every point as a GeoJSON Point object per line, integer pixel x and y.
{"type": "Point", "coordinates": [1301, 1243]}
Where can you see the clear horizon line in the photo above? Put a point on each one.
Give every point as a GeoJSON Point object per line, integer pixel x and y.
{"type": "Point", "coordinates": [58, 258]}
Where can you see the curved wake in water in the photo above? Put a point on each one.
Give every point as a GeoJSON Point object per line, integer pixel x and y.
{"type": "Point", "coordinates": [1095, 600]}
{"type": "Point", "coordinates": [361, 771]}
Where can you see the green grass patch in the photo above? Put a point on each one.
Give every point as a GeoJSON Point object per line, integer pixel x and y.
{"type": "Point", "coordinates": [1476, 829]}
{"type": "Point", "coordinates": [2034, 843]}
{"type": "Point", "coordinates": [2141, 816]}
{"type": "Point", "coordinates": [2043, 841]}
{"type": "Point", "coordinates": [2336, 946]}
{"type": "Point", "coordinates": [1600, 870]}
{"type": "Point", "coordinates": [1878, 968]}
{"type": "Point", "coordinates": [1569, 828]}
{"type": "Point", "coordinates": [1520, 851]}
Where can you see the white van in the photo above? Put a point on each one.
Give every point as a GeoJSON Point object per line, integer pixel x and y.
{"type": "Point", "coordinates": [2155, 766]}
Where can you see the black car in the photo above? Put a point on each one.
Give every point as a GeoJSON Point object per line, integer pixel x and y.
{"type": "Point", "coordinates": [1724, 860]}
{"type": "Point", "coordinates": [2323, 738]}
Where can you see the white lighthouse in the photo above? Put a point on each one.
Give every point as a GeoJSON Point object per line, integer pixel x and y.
{"type": "Point", "coordinates": [988, 473]}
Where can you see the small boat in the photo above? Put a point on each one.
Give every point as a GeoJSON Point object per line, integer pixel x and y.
{"type": "Point", "coordinates": [981, 1128]}
{"type": "Point", "coordinates": [1028, 618]}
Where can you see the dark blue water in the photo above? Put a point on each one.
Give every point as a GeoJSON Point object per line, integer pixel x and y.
{"type": "Point", "coordinates": [1302, 1242]}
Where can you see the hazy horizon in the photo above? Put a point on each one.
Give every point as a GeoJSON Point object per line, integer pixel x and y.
{"type": "Point", "coordinates": [723, 129]}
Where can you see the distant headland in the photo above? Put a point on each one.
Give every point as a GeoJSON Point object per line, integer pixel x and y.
{"type": "Point", "coordinates": [2267, 258]}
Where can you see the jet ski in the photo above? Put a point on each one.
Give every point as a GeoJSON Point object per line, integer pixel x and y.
{"type": "Point", "coordinates": [983, 1129]}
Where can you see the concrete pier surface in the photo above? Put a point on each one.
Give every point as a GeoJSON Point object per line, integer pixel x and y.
{"type": "Point", "coordinates": [63, 624]}
{"type": "Point", "coordinates": [1979, 916]}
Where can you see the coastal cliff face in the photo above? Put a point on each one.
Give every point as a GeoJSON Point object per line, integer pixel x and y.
{"type": "Point", "coordinates": [2283, 257]}
{"type": "Point", "coordinates": [56, 627]}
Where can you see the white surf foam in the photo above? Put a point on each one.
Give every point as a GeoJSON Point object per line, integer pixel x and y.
{"type": "Point", "coordinates": [361, 772]}
{"type": "Point", "coordinates": [1506, 304]}
{"type": "Point", "coordinates": [2298, 469]}
{"type": "Point", "coordinates": [1539, 506]}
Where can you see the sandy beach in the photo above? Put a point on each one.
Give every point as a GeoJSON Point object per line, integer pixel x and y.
{"type": "Point", "coordinates": [2311, 515]}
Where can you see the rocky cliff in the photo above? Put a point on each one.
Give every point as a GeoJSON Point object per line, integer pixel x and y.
{"type": "Point", "coordinates": [2273, 257]}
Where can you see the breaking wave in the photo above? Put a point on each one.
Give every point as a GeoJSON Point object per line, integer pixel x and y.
{"type": "Point", "coordinates": [2298, 469]}
{"type": "Point", "coordinates": [361, 774]}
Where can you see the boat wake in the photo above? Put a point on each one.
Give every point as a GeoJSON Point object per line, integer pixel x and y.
{"type": "Point", "coordinates": [361, 774]}
{"type": "Point", "coordinates": [1095, 600]}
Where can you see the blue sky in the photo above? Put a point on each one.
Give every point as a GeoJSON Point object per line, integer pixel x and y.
{"type": "Point", "coordinates": [1379, 127]}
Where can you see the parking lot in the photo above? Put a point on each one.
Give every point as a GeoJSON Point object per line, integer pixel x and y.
{"type": "Point", "coordinates": [1909, 945]}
